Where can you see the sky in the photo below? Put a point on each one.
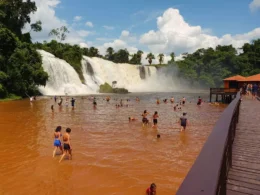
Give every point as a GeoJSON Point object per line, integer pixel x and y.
{"type": "Point", "coordinates": [163, 26]}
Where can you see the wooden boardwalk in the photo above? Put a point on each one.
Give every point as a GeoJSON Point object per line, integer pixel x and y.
{"type": "Point", "coordinates": [244, 176]}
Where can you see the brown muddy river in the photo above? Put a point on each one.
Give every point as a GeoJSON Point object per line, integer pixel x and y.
{"type": "Point", "coordinates": [110, 155]}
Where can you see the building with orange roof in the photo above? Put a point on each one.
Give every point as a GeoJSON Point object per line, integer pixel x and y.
{"type": "Point", "coordinates": [254, 78]}
{"type": "Point", "coordinates": [233, 82]}
{"type": "Point", "coordinates": [237, 81]}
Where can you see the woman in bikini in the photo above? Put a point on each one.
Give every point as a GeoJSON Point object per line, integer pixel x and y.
{"type": "Point", "coordinates": [57, 142]}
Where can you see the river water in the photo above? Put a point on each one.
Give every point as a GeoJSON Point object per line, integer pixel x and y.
{"type": "Point", "coordinates": [110, 155]}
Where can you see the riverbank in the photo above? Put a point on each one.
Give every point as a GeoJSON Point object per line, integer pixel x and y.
{"type": "Point", "coordinates": [11, 98]}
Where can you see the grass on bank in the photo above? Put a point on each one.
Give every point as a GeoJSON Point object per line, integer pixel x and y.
{"type": "Point", "coordinates": [11, 97]}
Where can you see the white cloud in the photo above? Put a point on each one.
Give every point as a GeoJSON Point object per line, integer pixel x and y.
{"type": "Point", "coordinates": [82, 45]}
{"type": "Point", "coordinates": [89, 24]}
{"type": "Point", "coordinates": [125, 33]}
{"type": "Point", "coordinates": [175, 34]}
{"type": "Point", "coordinates": [108, 27]}
{"type": "Point", "coordinates": [254, 5]}
{"type": "Point", "coordinates": [46, 13]}
{"type": "Point", "coordinates": [84, 33]}
{"type": "Point", "coordinates": [104, 39]}
{"type": "Point", "coordinates": [77, 18]}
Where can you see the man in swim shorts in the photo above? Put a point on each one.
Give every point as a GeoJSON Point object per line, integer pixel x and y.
{"type": "Point", "coordinates": [183, 122]}
{"type": "Point", "coordinates": [145, 120]}
{"type": "Point", "coordinates": [66, 145]}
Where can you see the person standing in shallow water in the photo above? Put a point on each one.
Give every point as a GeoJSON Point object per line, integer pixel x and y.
{"type": "Point", "coordinates": [145, 120]}
{"type": "Point", "coordinates": [199, 101]}
{"type": "Point", "coordinates": [73, 102]}
{"type": "Point", "coordinates": [57, 142]}
{"type": "Point", "coordinates": [155, 119]}
{"type": "Point", "coordinates": [183, 100]}
{"type": "Point", "coordinates": [66, 145]}
{"type": "Point", "coordinates": [151, 190]}
{"type": "Point", "coordinates": [183, 122]}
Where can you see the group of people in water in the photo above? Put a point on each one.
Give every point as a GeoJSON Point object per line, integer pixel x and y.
{"type": "Point", "coordinates": [66, 149]}
{"type": "Point", "coordinates": [62, 141]}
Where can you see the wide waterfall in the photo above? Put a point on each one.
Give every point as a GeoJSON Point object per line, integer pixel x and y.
{"type": "Point", "coordinates": [97, 71]}
{"type": "Point", "coordinates": [63, 79]}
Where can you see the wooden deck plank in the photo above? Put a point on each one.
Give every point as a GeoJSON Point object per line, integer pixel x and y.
{"type": "Point", "coordinates": [244, 175]}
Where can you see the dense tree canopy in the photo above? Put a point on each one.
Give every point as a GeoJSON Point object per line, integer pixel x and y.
{"type": "Point", "coordinates": [20, 65]}
{"type": "Point", "coordinates": [208, 67]}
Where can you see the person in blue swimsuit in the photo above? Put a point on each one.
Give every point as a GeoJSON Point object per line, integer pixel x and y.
{"type": "Point", "coordinates": [57, 142]}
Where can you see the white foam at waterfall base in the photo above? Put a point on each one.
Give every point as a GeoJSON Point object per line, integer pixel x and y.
{"type": "Point", "coordinates": [63, 79]}
{"type": "Point", "coordinates": [126, 76]}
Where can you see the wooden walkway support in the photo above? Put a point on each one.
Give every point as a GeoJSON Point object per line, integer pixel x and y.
{"type": "Point", "coordinates": [226, 94]}
{"type": "Point", "coordinates": [244, 175]}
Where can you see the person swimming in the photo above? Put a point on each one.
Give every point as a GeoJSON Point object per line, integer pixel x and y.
{"type": "Point", "coordinates": [155, 116]}
{"type": "Point", "coordinates": [67, 145]}
{"type": "Point", "coordinates": [57, 142]}
{"type": "Point", "coordinates": [183, 100]}
{"type": "Point", "coordinates": [144, 119]}
{"type": "Point", "coordinates": [151, 190]}
{"type": "Point", "coordinates": [131, 119]}
{"type": "Point", "coordinates": [183, 122]}
{"type": "Point", "coordinates": [172, 100]}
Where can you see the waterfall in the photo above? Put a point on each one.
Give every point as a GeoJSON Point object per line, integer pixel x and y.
{"type": "Point", "coordinates": [63, 79]}
{"type": "Point", "coordinates": [135, 78]}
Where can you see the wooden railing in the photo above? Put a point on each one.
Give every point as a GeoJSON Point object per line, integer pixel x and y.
{"type": "Point", "coordinates": [208, 175]}
{"type": "Point", "coordinates": [223, 90]}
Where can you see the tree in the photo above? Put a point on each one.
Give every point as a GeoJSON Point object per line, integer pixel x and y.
{"type": "Point", "coordinates": [110, 53]}
{"type": "Point", "coordinates": [14, 14]}
{"type": "Point", "coordinates": [59, 33]}
{"type": "Point", "coordinates": [150, 58]}
{"type": "Point", "coordinates": [172, 58]}
{"type": "Point", "coordinates": [161, 58]}
{"type": "Point", "coordinates": [121, 56]}
{"type": "Point", "coordinates": [37, 26]}
{"type": "Point", "coordinates": [93, 52]}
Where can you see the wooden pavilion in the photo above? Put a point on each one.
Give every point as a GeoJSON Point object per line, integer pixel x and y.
{"type": "Point", "coordinates": [232, 85]}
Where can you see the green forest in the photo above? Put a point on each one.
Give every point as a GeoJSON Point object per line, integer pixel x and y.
{"type": "Point", "coordinates": [21, 69]}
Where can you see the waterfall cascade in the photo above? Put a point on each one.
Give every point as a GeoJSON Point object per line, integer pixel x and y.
{"type": "Point", "coordinates": [63, 79]}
